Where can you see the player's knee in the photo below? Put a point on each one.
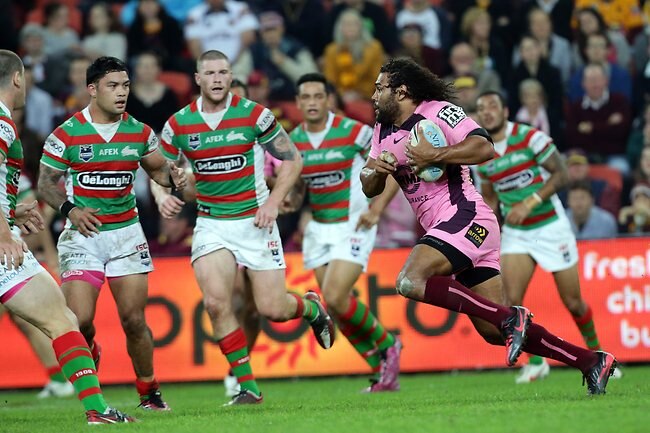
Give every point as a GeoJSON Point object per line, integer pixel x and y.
{"type": "Point", "coordinates": [405, 285]}
{"type": "Point", "coordinates": [576, 306]}
{"type": "Point", "coordinates": [133, 323]}
{"type": "Point", "coordinates": [272, 311]}
{"type": "Point", "coordinates": [215, 307]}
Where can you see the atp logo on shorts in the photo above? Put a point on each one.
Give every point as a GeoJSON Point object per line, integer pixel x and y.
{"type": "Point", "coordinates": [477, 234]}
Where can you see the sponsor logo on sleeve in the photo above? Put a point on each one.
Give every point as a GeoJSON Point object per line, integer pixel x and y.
{"type": "Point", "coordinates": [452, 115]}
{"type": "Point", "coordinates": [477, 234]}
{"type": "Point", "coordinates": [266, 120]}
{"type": "Point", "coordinates": [167, 133]}
{"type": "Point", "coordinates": [53, 146]}
{"type": "Point", "coordinates": [7, 132]}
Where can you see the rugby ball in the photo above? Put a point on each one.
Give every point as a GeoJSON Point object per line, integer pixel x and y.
{"type": "Point", "coordinates": [430, 135]}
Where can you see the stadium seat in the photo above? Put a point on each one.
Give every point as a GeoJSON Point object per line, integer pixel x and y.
{"type": "Point", "coordinates": [179, 83]}
{"type": "Point", "coordinates": [608, 174]}
{"type": "Point", "coordinates": [361, 110]}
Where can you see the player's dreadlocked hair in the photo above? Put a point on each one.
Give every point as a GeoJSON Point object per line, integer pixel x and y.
{"type": "Point", "coordinates": [421, 84]}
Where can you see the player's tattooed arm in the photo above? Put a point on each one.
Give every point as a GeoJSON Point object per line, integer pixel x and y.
{"type": "Point", "coordinates": [281, 147]}
{"type": "Point", "coordinates": [555, 165]}
{"type": "Point", "coordinates": [48, 186]}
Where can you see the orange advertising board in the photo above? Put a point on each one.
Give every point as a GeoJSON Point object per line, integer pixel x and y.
{"type": "Point", "coordinates": [614, 278]}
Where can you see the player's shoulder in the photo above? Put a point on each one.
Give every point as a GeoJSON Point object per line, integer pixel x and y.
{"type": "Point", "coordinates": [442, 111]}
{"type": "Point", "coordinates": [530, 132]}
{"type": "Point", "coordinates": [239, 103]}
{"type": "Point", "coordinates": [7, 126]}
{"type": "Point", "coordinates": [133, 122]}
{"type": "Point", "coordinates": [346, 123]}
{"type": "Point", "coordinates": [197, 12]}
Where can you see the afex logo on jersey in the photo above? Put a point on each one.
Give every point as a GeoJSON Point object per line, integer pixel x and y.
{"type": "Point", "coordinates": [323, 180]}
{"type": "Point", "coordinates": [105, 180]}
{"type": "Point", "coordinates": [514, 181]}
{"type": "Point", "coordinates": [220, 164]}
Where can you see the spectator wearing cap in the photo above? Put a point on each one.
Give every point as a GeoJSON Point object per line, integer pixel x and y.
{"type": "Point", "coordinates": [411, 45]}
{"type": "Point", "coordinates": [587, 220]}
{"type": "Point", "coordinates": [467, 93]}
{"type": "Point", "coordinates": [605, 195]}
{"type": "Point", "coordinates": [58, 35]}
{"type": "Point", "coordinates": [534, 65]}
{"type": "Point", "coordinates": [225, 25]}
{"type": "Point", "coordinates": [600, 123]}
{"type": "Point", "coordinates": [463, 62]}
{"type": "Point", "coordinates": [352, 62]}
{"type": "Point", "coordinates": [281, 58]}
{"type": "Point", "coordinates": [432, 20]}
{"type": "Point", "coordinates": [635, 219]}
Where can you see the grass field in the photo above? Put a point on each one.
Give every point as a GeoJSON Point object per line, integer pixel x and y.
{"type": "Point", "coordinates": [467, 402]}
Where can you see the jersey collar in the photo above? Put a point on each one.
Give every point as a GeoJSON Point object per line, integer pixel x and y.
{"type": "Point", "coordinates": [5, 109]}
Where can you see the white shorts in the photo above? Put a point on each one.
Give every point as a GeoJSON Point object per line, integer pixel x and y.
{"type": "Point", "coordinates": [254, 248]}
{"type": "Point", "coordinates": [11, 280]}
{"type": "Point", "coordinates": [552, 246]}
{"type": "Point", "coordinates": [113, 253]}
{"type": "Point", "coordinates": [323, 243]}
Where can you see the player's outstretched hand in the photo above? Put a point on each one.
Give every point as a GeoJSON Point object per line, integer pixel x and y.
{"type": "Point", "coordinates": [178, 176]}
{"type": "Point", "coordinates": [517, 214]}
{"type": "Point", "coordinates": [12, 252]}
{"type": "Point", "coordinates": [266, 216]}
{"type": "Point", "coordinates": [28, 218]}
{"type": "Point", "coordinates": [170, 206]}
{"type": "Point", "coordinates": [367, 220]}
{"type": "Point", "coordinates": [84, 219]}
{"type": "Point", "coordinates": [386, 163]}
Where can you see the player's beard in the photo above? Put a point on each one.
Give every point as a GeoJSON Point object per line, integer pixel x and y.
{"type": "Point", "coordinates": [389, 112]}
{"type": "Point", "coordinates": [497, 128]}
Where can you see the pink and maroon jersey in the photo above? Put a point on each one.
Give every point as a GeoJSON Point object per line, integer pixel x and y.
{"type": "Point", "coordinates": [452, 202]}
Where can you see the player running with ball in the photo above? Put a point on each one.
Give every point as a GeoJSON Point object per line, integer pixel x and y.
{"type": "Point", "coordinates": [462, 237]}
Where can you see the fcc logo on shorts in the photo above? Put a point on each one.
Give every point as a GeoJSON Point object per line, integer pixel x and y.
{"type": "Point", "coordinates": [477, 234]}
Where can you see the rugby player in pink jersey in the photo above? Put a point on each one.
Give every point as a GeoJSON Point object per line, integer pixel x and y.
{"type": "Point", "coordinates": [455, 265]}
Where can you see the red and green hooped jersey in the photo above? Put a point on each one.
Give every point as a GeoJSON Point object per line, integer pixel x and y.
{"type": "Point", "coordinates": [331, 168]}
{"type": "Point", "coordinates": [517, 172]}
{"type": "Point", "coordinates": [101, 172]}
{"type": "Point", "coordinates": [12, 154]}
{"type": "Point", "coordinates": [227, 160]}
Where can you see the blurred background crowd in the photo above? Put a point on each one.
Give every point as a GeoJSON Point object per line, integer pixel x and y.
{"type": "Point", "coordinates": [578, 70]}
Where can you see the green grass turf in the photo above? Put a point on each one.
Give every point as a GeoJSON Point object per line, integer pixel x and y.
{"type": "Point", "coordinates": [479, 402]}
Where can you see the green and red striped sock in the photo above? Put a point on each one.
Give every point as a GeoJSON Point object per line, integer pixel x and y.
{"type": "Point", "coordinates": [364, 347]}
{"type": "Point", "coordinates": [306, 308]}
{"type": "Point", "coordinates": [77, 365]}
{"type": "Point", "coordinates": [234, 347]}
{"type": "Point", "coordinates": [588, 329]}
{"type": "Point", "coordinates": [55, 374]}
{"type": "Point", "coordinates": [146, 388]}
{"type": "Point", "coordinates": [365, 325]}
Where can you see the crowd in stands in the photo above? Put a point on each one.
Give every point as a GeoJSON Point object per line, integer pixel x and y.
{"type": "Point", "coordinates": [578, 70]}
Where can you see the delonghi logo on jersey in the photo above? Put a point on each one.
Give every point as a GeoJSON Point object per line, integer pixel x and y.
{"type": "Point", "coordinates": [323, 180]}
{"type": "Point", "coordinates": [514, 181]}
{"type": "Point", "coordinates": [232, 136]}
{"type": "Point", "coordinates": [407, 180]}
{"type": "Point", "coordinates": [194, 141]}
{"type": "Point", "coordinates": [86, 152]}
{"type": "Point", "coordinates": [128, 151]}
{"type": "Point", "coordinates": [105, 180]}
{"type": "Point", "coordinates": [452, 115]}
{"type": "Point", "coordinates": [220, 164]}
